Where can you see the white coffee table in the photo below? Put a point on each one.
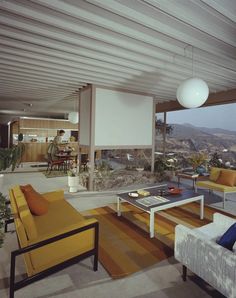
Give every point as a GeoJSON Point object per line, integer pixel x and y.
{"type": "Point", "coordinates": [187, 196]}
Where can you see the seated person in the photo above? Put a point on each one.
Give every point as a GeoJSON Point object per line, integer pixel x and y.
{"type": "Point", "coordinates": [53, 147]}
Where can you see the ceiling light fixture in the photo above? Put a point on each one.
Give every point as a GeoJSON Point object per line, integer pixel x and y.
{"type": "Point", "coordinates": [73, 117]}
{"type": "Point", "coordinates": [193, 92]}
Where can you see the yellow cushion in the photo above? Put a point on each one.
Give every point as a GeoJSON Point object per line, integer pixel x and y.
{"type": "Point", "coordinates": [17, 191]}
{"type": "Point", "coordinates": [14, 209]}
{"type": "Point", "coordinates": [62, 250]}
{"type": "Point", "coordinates": [214, 174]}
{"type": "Point", "coordinates": [61, 217]}
{"type": "Point", "coordinates": [23, 243]}
{"type": "Point", "coordinates": [28, 222]}
{"type": "Point", "coordinates": [227, 178]}
{"type": "Point", "coordinates": [19, 197]}
{"type": "Point", "coordinates": [54, 195]}
{"type": "Point", "coordinates": [215, 186]}
{"type": "Point", "coordinates": [60, 214]}
{"type": "Point", "coordinates": [25, 214]}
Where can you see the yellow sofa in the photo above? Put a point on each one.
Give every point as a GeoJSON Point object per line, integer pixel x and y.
{"type": "Point", "coordinates": [51, 241]}
{"type": "Point", "coordinates": [212, 185]}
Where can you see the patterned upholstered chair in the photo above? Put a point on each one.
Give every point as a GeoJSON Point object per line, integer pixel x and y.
{"type": "Point", "coordinates": [198, 251]}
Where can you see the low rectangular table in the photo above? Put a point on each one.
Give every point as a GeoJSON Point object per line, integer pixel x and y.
{"type": "Point", "coordinates": [190, 176]}
{"type": "Point", "coordinates": [187, 196]}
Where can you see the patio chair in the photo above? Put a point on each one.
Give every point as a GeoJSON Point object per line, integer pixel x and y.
{"type": "Point", "coordinates": [58, 164]}
{"type": "Point", "coordinates": [130, 157]}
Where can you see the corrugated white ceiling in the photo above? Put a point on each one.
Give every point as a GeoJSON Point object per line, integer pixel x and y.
{"type": "Point", "coordinates": [52, 48]}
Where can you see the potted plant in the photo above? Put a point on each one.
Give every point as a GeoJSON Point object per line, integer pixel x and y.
{"type": "Point", "coordinates": [197, 160]}
{"type": "Point", "coordinates": [4, 214]}
{"type": "Point", "coordinates": [11, 157]}
{"type": "Point", "coordinates": [73, 179]}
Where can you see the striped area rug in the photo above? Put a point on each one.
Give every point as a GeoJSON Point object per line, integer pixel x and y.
{"type": "Point", "coordinates": [124, 244]}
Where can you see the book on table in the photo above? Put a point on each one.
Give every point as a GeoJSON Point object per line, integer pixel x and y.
{"type": "Point", "coordinates": [152, 200]}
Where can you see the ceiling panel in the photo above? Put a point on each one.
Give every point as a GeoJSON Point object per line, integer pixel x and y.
{"type": "Point", "coordinates": [51, 49]}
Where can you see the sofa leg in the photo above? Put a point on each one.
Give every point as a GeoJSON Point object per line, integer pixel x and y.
{"type": "Point", "coordinates": [7, 222]}
{"type": "Point", "coordinates": [95, 261]}
{"type": "Point", "coordinates": [184, 276]}
{"type": "Point", "coordinates": [223, 200]}
{"type": "Point", "coordinates": [12, 276]}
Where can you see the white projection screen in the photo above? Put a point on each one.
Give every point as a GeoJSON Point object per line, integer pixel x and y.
{"type": "Point", "coordinates": [84, 117]}
{"type": "Point", "coordinates": [122, 119]}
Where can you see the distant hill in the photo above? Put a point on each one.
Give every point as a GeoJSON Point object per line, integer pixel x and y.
{"type": "Point", "coordinates": [215, 131]}
{"type": "Point", "coordinates": [187, 131]}
{"type": "Point", "coordinates": [186, 137]}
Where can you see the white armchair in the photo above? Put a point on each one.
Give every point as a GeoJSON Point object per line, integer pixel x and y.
{"type": "Point", "coordinates": [198, 251]}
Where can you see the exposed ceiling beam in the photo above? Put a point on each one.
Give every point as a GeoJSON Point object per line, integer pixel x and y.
{"type": "Point", "coordinates": [219, 98]}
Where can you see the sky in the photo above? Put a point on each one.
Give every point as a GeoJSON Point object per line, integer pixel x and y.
{"type": "Point", "coordinates": [221, 116]}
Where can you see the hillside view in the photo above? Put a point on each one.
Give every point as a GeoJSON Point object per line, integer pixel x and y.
{"type": "Point", "coordinates": [187, 139]}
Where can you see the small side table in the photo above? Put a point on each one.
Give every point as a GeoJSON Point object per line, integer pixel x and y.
{"type": "Point", "coordinates": [189, 176]}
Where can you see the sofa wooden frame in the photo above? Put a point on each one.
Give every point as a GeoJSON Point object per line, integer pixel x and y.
{"type": "Point", "coordinates": [16, 285]}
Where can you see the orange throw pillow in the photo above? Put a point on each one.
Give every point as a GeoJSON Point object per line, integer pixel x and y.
{"type": "Point", "coordinates": [26, 187]}
{"type": "Point", "coordinates": [226, 178]}
{"type": "Point", "coordinates": [38, 205]}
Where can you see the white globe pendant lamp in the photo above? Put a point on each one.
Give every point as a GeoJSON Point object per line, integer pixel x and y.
{"type": "Point", "coordinates": [192, 93]}
{"type": "Point", "coordinates": [73, 117]}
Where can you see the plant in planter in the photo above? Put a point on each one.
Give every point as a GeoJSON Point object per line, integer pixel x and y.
{"type": "Point", "coordinates": [165, 167]}
{"type": "Point", "coordinates": [73, 180]}
{"type": "Point", "coordinates": [197, 160]}
{"type": "Point", "coordinates": [171, 167]}
{"type": "Point", "coordinates": [4, 214]}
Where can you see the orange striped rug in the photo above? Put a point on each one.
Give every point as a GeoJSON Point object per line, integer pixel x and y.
{"type": "Point", "coordinates": [124, 244]}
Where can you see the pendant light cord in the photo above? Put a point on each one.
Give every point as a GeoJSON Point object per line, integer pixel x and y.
{"type": "Point", "coordinates": [192, 60]}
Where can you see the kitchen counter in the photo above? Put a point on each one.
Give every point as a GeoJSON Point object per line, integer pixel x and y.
{"type": "Point", "coordinates": [37, 151]}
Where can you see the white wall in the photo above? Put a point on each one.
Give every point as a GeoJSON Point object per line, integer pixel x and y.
{"type": "Point", "coordinates": [84, 117]}
{"type": "Point", "coordinates": [123, 119]}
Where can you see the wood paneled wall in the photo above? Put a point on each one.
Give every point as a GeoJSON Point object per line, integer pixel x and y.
{"type": "Point", "coordinates": [15, 128]}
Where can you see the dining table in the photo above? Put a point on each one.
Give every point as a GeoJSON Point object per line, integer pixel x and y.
{"type": "Point", "coordinates": [67, 157]}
